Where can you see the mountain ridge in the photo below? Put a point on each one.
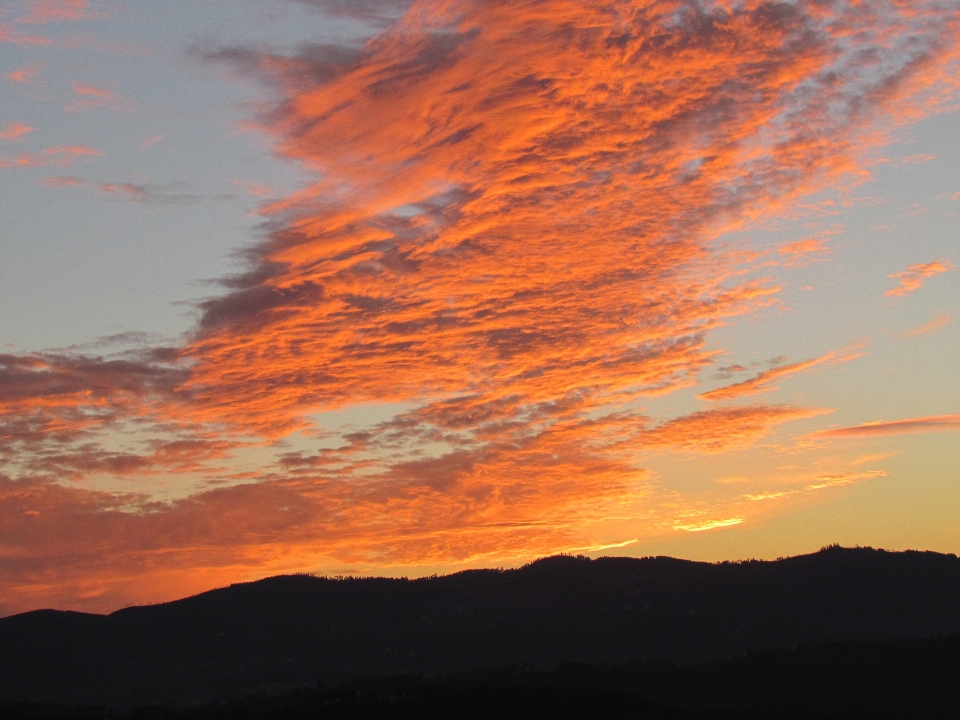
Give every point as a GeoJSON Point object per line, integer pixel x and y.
{"type": "Point", "coordinates": [286, 631]}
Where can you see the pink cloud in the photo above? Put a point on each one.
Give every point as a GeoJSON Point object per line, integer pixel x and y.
{"type": "Point", "coordinates": [74, 151]}
{"type": "Point", "coordinates": [803, 247]}
{"type": "Point", "coordinates": [8, 35]}
{"type": "Point", "coordinates": [15, 131]}
{"type": "Point", "coordinates": [260, 191]}
{"type": "Point", "coordinates": [61, 181]}
{"type": "Point", "coordinates": [25, 74]}
{"type": "Point", "coordinates": [805, 251]}
{"type": "Point", "coordinates": [91, 96]}
{"type": "Point", "coordinates": [24, 160]}
{"type": "Point", "coordinates": [48, 11]}
{"type": "Point", "coordinates": [136, 193]}
{"type": "Point", "coordinates": [933, 423]}
{"type": "Point", "coordinates": [914, 276]}
{"type": "Point", "coordinates": [61, 155]}
{"type": "Point", "coordinates": [828, 481]}
{"type": "Point", "coordinates": [761, 381]}
{"type": "Point", "coordinates": [723, 429]}
{"type": "Point", "coordinates": [939, 321]}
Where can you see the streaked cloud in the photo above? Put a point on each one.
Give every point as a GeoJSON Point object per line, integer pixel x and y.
{"type": "Point", "coordinates": [15, 131]}
{"type": "Point", "coordinates": [61, 181]}
{"type": "Point", "coordinates": [933, 423]}
{"type": "Point", "coordinates": [25, 74]}
{"type": "Point", "coordinates": [91, 96]}
{"type": "Point", "coordinates": [873, 457]}
{"type": "Point", "coordinates": [253, 189]}
{"type": "Point", "coordinates": [708, 524]}
{"type": "Point", "coordinates": [938, 322]}
{"type": "Point", "coordinates": [24, 160]}
{"type": "Point", "coordinates": [828, 481]}
{"type": "Point", "coordinates": [761, 382]}
{"type": "Point", "coordinates": [914, 276]}
{"type": "Point", "coordinates": [49, 11]}
{"type": "Point", "coordinates": [148, 193]}
{"type": "Point", "coordinates": [9, 34]}
{"type": "Point", "coordinates": [726, 428]}
{"type": "Point", "coordinates": [813, 248]}
{"type": "Point", "coordinates": [380, 11]}
{"type": "Point", "coordinates": [74, 151]}
{"type": "Point", "coordinates": [61, 156]}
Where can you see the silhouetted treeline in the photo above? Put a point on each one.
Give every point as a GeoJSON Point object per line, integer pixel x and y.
{"type": "Point", "coordinates": [289, 632]}
{"type": "Point", "coordinates": [903, 679]}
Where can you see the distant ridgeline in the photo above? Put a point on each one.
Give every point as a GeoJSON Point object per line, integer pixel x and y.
{"type": "Point", "coordinates": [296, 631]}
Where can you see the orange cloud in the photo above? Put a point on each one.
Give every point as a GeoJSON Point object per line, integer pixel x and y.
{"type": "Point", "coordinates": [939, 321]}
{"type": "Point", "coordinates": [508, 241]}
{"type": "Point", "coordinates": [9, 35]}
{"type": "Point", "coordinates": [61, 181]}
{"type": "Point", "coordinates": [934, 423]}
{"type": "Point", "coordinates": [914, 276]}
{"type": "Point", "coordinates": [700, 526]}
{"type": "Point", "coordinates": [47, 11]}
{"type": "Point", "coordinates": [253, 189]}
{"type": "Point", "coordinates": [24, 160]}
{"type": "Point", "coordinates": [25, 74]}
{"type": "Point", "coordinates": [15, 131]}
{"type": "Point", "coordinates": [724, 428]}
{"type": "Point", "coordinates": [61, 155]}
{"type": "Point", "coordinates": [828, 481]}
{"type": "Point", "coordinates": [74, 151]}
{"type": "Point", "coordinates": [761, 382]}
{"type": "Point", "coordinates": [804, 251]}
{"type": "Point", "coordinates": [91, 96]}
{"type": "Point", "coordinates": [803, 247]}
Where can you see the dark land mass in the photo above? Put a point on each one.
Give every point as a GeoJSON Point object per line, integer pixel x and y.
{"type": "Point", "coordinates": [906, 679]}
{"type": "Point", "coordinates": [652, 637]}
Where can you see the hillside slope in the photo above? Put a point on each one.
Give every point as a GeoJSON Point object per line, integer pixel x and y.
{"type": "Point", "coordinates": [291, 630]}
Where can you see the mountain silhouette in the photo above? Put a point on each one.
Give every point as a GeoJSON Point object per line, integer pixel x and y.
{"type": "Point", "coordinates": [291, 631]}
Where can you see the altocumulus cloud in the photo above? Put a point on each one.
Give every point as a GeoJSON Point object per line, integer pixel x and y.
{"type": "Point", "coordinates": [507, 238]}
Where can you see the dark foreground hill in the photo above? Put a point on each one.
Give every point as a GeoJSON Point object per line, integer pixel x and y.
{"type": "Point", "coordinates": [906, 679]}
{"type": "Point", "coordinates": [295, 631]}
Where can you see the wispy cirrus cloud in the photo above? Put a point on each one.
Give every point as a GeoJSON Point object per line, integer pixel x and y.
{"type": "Point", "coordinates": [722, 429]}
{"type": "Point", "coordinates": [761, 382]}
{"type": "Point", "coordinates": [914, 276]}
{"type": "Point", "coordinates": [15, 131]}
{"type": "Point", "coordinates": [938, 322]}
{"type": "Point", "coordinates": [806, 250]}
{"type": "Point", "coordinates": [89, 97]}
{"type": "Point", "coordinates": [829, 481]}
{"type": "Point", "coordinates": [702, 525]}
{"type": "Point", "coordinates": [61, 181]}
{"type": "Point", "coordinates": [18, 22]}
{"type": "Point", "coordinates": [149, 193]}
{"type": "Point", "coordinates": [51, 11]}
{"type": "Point", "coordinates": [74, 151]}
{"type": "Point", "coordinates": [25, 74]}
{"type": "Point", "coordinates": [508, 239]}
{"type": "Point", "coordinates": [933, 423]}
{"type": "Point", "coordinates": [145, 193]}
{"type": "Point", "coordinates": [9, 34]}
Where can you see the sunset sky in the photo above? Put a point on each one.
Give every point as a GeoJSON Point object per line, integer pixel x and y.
{"type": "Point", "coordinates": [383, 287]}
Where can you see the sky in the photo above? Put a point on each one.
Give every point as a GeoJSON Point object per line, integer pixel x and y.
{"type": "Point", "coordinates": [406, 287]}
